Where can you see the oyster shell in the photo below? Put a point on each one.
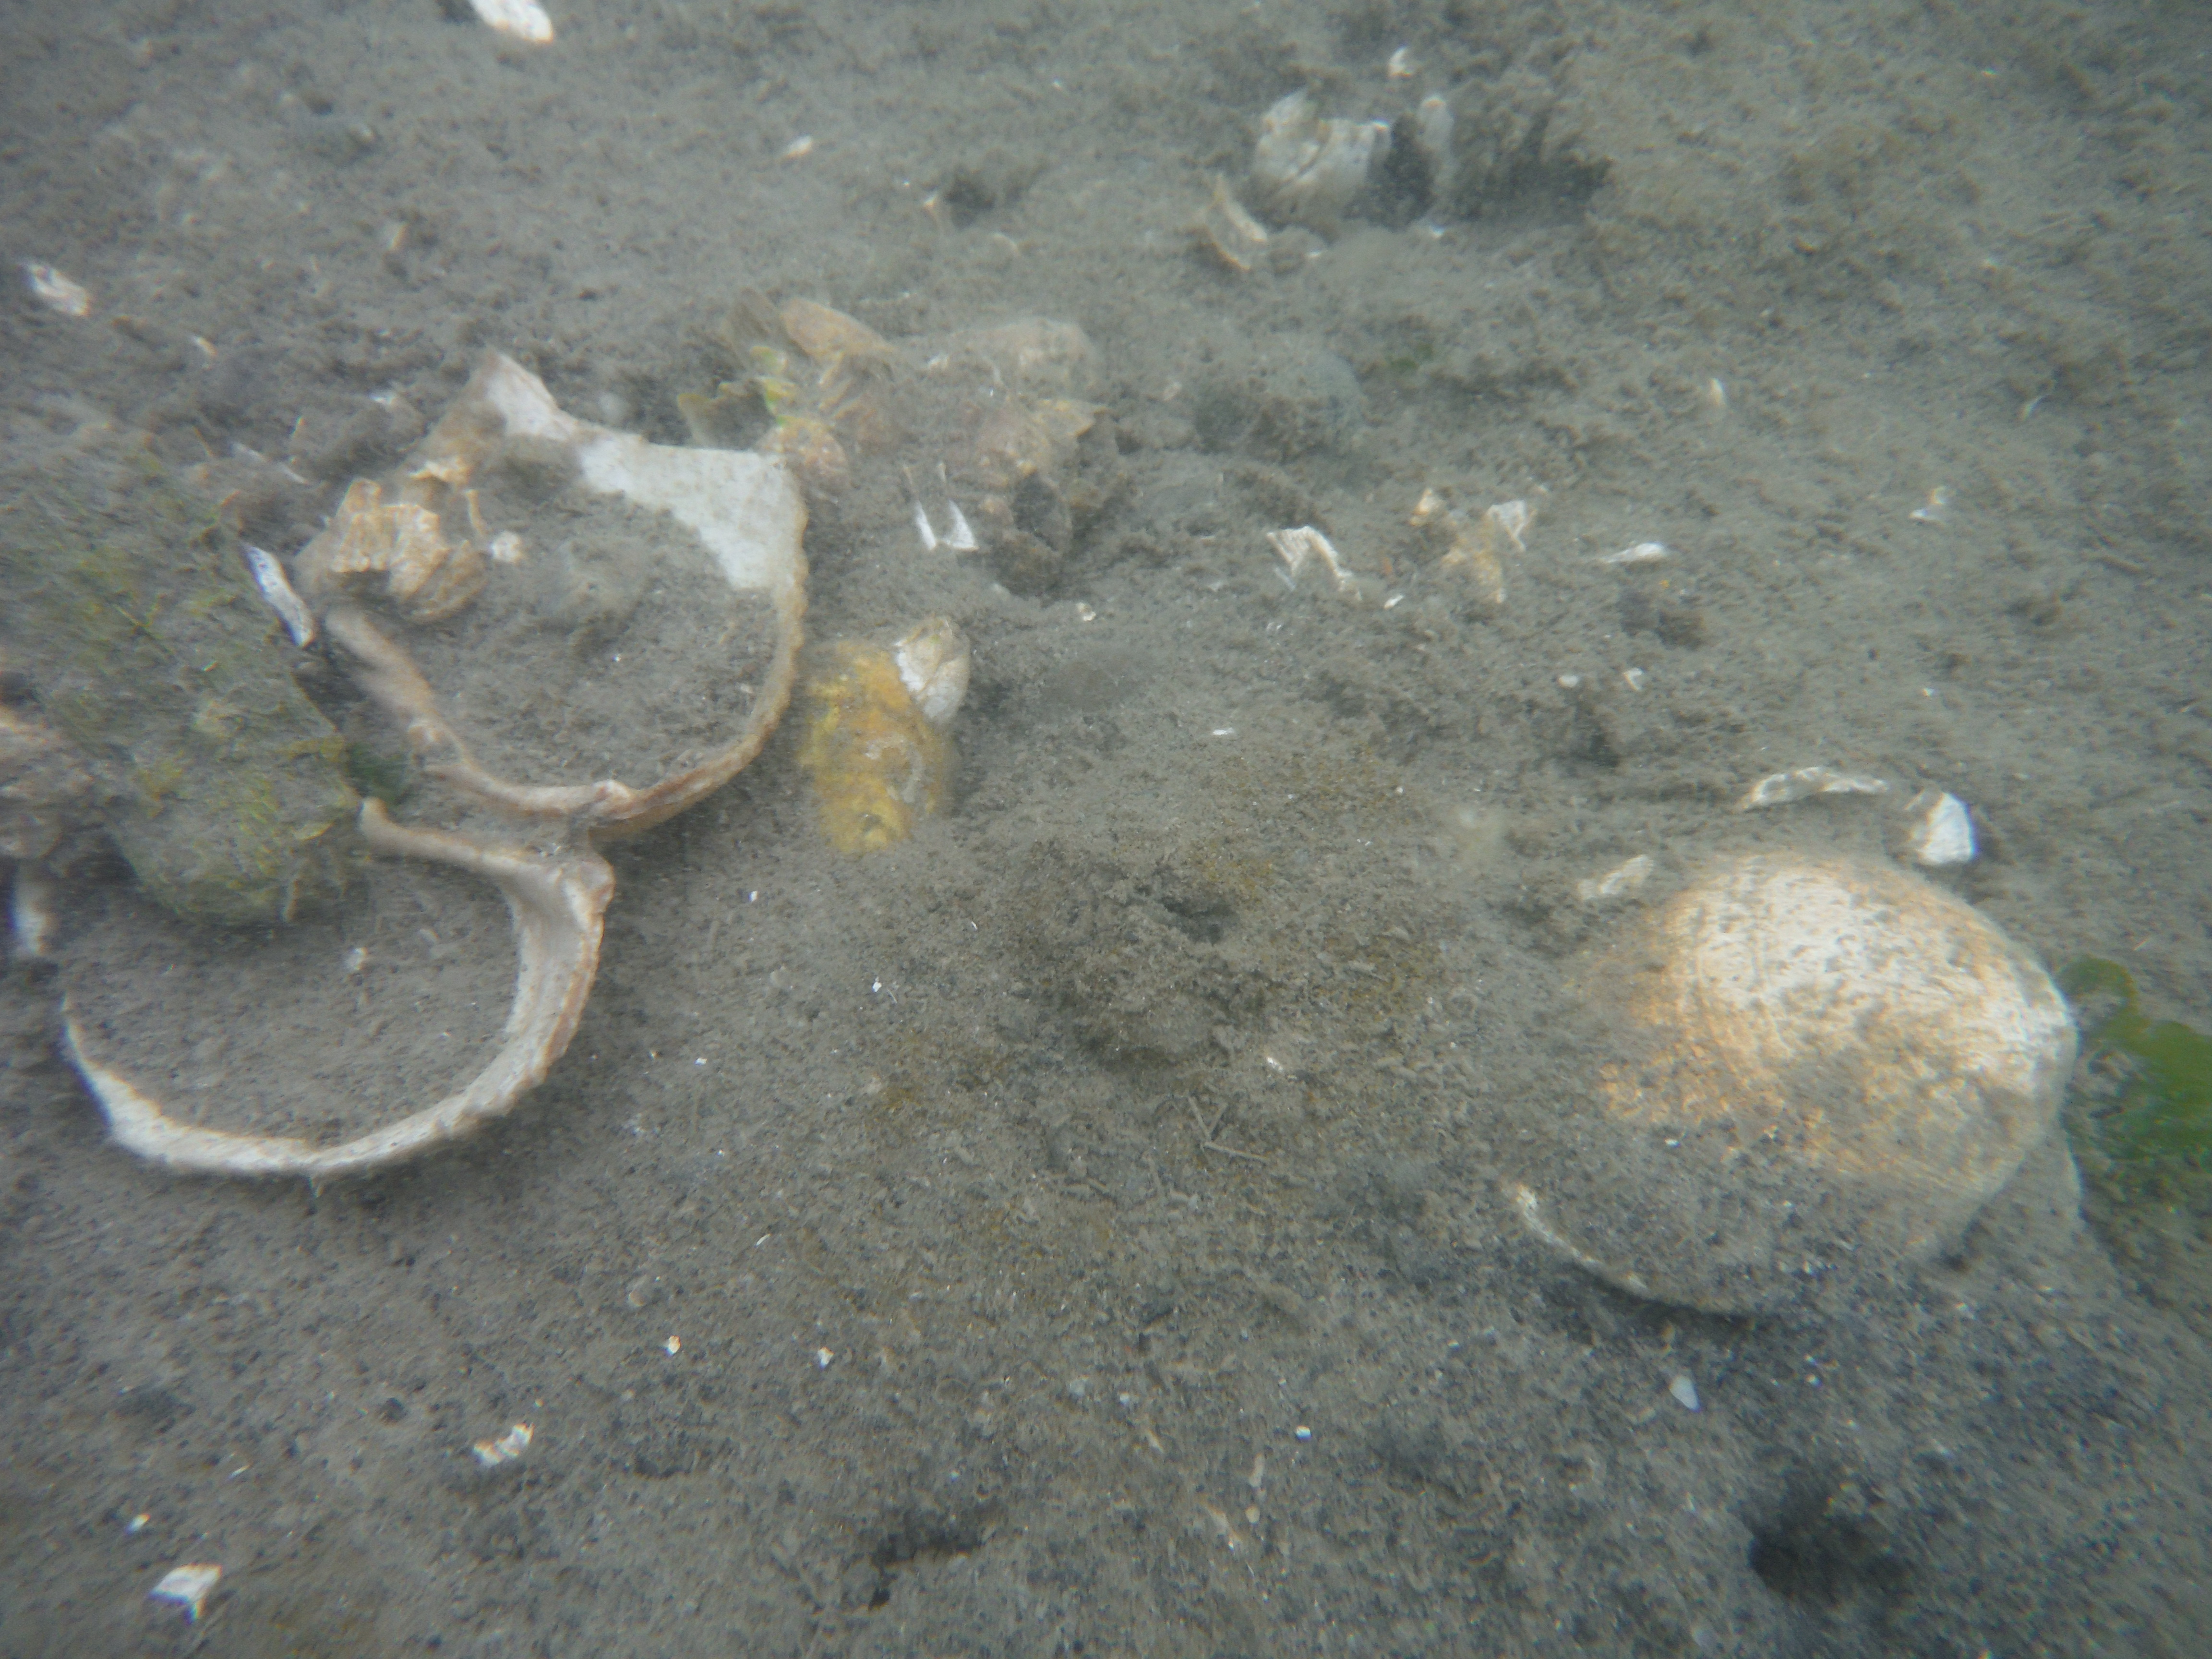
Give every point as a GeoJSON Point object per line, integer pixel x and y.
{"type": "Point", "coordinates": [1815, 1066]}
{"type": "Point", "coordinates": [683, 565]}
{"type": "Point", "coordinates": [462, 616]}
{"type": "Point", "coordinates": [878, 744]}
{"type": "Point", "coordinates": [557, 902]}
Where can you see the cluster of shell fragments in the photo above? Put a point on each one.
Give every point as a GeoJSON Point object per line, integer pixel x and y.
{"type": "Point", "coordinates": [522, 561]}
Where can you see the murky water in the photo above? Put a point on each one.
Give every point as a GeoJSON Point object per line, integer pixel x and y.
{"type": "Point", "coordinates": [1093, 1224]}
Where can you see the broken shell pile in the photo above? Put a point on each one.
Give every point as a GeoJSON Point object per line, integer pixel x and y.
{"type": "Point", "coordinates": [1002, 451]}
{"type": "Point", "coordinates": [562, 633]}
{"type": "Point", "coordinates": [1809, 1066]}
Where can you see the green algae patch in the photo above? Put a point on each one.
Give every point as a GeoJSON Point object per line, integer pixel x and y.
{"type": "Point", "coordinates": [2147, 1110]}
{"type": "Point", "coordinates": [125, 603]}
{"type": "Point", "coordinates": [2140, 1119]}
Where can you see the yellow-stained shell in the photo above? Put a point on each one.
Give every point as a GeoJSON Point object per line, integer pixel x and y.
{"type": "Point", "coordinates": [1814, 1062]}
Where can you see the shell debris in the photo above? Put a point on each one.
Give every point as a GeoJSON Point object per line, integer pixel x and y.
{"type": "Point", "coordinates": [518, 20]}
{"type": "Point", "coordinates": [1641, 553]}
{"type": "Point", "coordinates": [268, 576]}
{"type": "Point", "coordinates": [1477, 546]}
{"type": "Point", "coordinates": [1308, 169]}
{"type": "Point", "coordinates": [879, 743]}
{"type": "Point", "coordinates": [1298, 548]}
{"type": "Point", "coordinates": [58, 291]}
{"type": "Point", "coordinates": [189, 1585]}
{"type": "Point", "coordinates": [1780, 788]}
{"type": "Point", "coordinates": [1621, 880]}
{"type": "Point", "coordinates": [1942, 833]}
{"type": "Point", "coordinates": [490, 1453]}
{"type": "Point", "coordinates": [1224, 229]}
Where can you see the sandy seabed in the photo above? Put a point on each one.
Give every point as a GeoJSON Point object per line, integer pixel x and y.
{"type": "Point", "coordinates": [1082, 1229]}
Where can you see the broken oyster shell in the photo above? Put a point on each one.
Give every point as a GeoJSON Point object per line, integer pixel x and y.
{"type": "Point", "coordinates": [557, 902]}
{"type": "Point", "coordinates": [647, 580]}
{"type": "Point", "coordinates": [1306, 170]}
{"type": "Point", "coordinates": [607, 547]}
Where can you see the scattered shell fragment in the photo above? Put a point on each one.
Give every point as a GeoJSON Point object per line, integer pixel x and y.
{"type": "Point", "coordinates": [520, 20]}
{"type": "Point", "coordinates": [1641, 553]}
{"type": "Point", "coordinates": [1941, 831]}
{"type": "Point", "coordinates": [1684, 1387]}
{"type": "Point", "coordinates": [62, 294]}
{"type": "Point", "coordinates": [268, 576]}
{"type": "Point", "coordinates": [1307, 169]}
{"type": "Point", "coordinates": [1622, 878]}
{"type": "Point", "coordinates": [188, 1585]}
{"type": "Point", "coordinates": [933, 663]}
{"type": "Point", "coordinates": [1476, 548]}
{"type": "Point", "coordinates": [427, 578]}
{"type": "Point", "coordinates": [1224, 229]}
{"type": "Point", "coordinates": [490, 1453]}
{"type": "Point", "coordinates": [1780, 788]}
{"type": "Point", "coordinates": [1936, 508]}
{"type": "Point", "coordinates": [1816, 1066]}
{"type": "Point", "coordinates": [1300, 547]}
{"type": "Point", "coordinates": [1402, 66]}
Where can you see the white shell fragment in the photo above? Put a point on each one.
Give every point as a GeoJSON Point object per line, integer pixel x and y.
{"type": "Point", "coordinates": [933, 663]}
{"type": "Point", "coordinates": [1941, 835]}
{"type": "Point", "coordinates": [53, 289]}
{"type": "Point", "coordinates": [1780, 788]}
{"type": "Point", "coordinates": [1684, 1387]}
{"type": "Point", "coordinates": [1308, 169]}
{"type": "Point", "coordinates": [1622, 878]}
{"type": "Point", "coordinates": [189, 1586]}
{"type": "Point", "coordinates": [1936, 508]}
{"type": "Point", "coordinates": [1641, 553]}
{"type": "Point", "coordinates": [520, 20]}
{"type": "Point", "coordinates": [490, 1453]}
{"type": "Point", "coordinates": [1298, 548]}
{"type": "Point", "coordinates": [292, 609]}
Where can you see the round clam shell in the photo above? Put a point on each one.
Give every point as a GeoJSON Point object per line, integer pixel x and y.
{"type": "Point", "coordinates": [1807, 1067]}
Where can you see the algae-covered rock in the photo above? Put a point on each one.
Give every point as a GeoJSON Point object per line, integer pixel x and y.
{"type": "Point", "coordinates": [126, 604]}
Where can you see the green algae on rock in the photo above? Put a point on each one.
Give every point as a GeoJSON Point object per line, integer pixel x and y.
{"type": "Point", "coordinates": [128, 610]}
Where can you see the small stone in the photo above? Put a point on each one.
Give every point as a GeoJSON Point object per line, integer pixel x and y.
{"type": "Point", "coordinates": [1685, 1391]}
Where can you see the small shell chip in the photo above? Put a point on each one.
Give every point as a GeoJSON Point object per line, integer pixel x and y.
{"type": "Point", "coordinates": [1621, 880]}
{"type": "Point", "coordinates": [490, 1453]}
{"type": "Point", "coordinates": [268, 576]}
{"type": "Point", "coordinates": [524, 19]}
{"type": "Point", "coordinates": [1299, 547]}
{"type": "Point", "coordinates": [1942, 832]}
{"type": "Point", "coordinates": [188, 1585]}
{"type": "Point", "coordinates": [1780, 788]}
{"type": "Point", "coordinates": [53, 289]}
